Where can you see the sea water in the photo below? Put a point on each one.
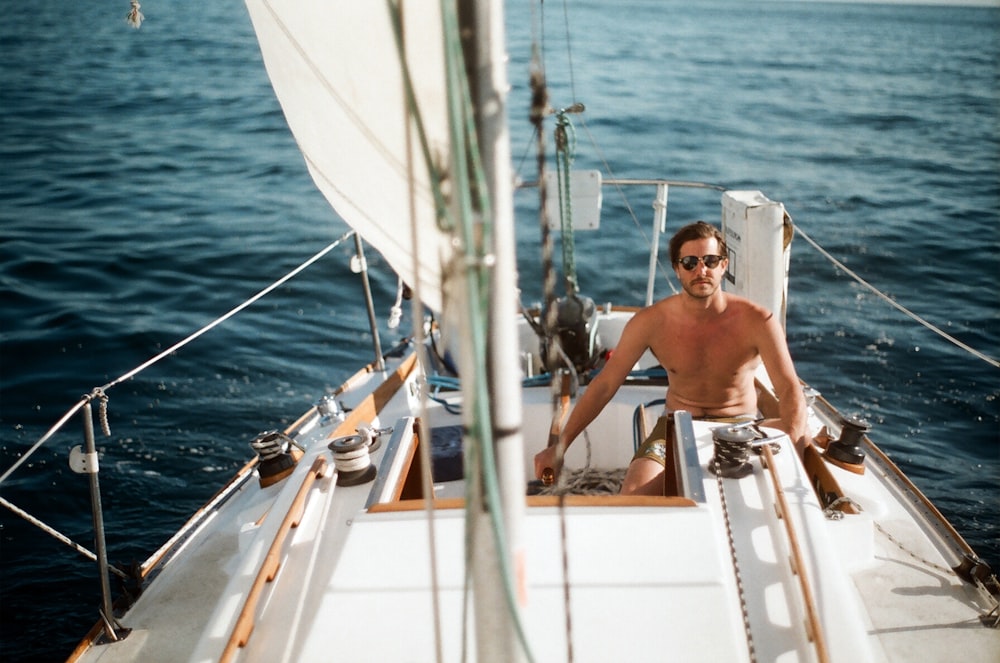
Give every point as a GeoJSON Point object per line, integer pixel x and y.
{"type": "Point", "coordinates": [149, 184]}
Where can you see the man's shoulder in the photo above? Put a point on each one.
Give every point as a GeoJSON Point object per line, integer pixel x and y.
{"type": "Point", "coordinates": [658, 309]}
{"type": "Point", "coordinates": [744, 306]}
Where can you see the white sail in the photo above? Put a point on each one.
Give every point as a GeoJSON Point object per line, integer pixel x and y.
{"type": "Point", "coordinates": [338, 73]}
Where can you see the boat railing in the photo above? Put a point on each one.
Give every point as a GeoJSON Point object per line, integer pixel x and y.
{"type": "Point", "coordinates": [660, 201]}
{"type": "Point", "coordinates": [84, 459]}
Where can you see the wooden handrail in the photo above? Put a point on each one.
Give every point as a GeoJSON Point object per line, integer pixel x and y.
{"type": "Point", "coordinates": [369, 408]}
{"type": "Point", "coordinates": [365, 412]}
{"type": "Point", "coordinates": [814, 630]}
{"type": "Point", "coordinates": [272, 562]}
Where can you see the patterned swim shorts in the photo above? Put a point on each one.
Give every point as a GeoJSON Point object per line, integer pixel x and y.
{"type": "Point", "coordinates": [654, 447]}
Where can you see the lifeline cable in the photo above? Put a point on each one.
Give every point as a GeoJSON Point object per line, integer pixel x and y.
{"type": "Point", "coordinates": [100, 391]}
{"type": "Point", "coordinates": [989, 360]}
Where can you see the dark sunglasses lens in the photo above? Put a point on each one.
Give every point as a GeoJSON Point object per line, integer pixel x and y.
{"type": "Point", "coordinates": [689, 262]}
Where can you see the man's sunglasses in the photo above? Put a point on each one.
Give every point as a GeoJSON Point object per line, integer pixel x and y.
{"type": "Point", "coordinates": [690, 262]}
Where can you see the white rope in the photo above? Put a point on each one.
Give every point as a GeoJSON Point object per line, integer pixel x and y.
{"type": "Point", "coordinates": [173, 348]}
{"type": "Point", "coordinates": [396, 312]}
{"type": "Point", "coordinates": [989, 360]}
{"type": "Point", "coordinates": [58, 535]}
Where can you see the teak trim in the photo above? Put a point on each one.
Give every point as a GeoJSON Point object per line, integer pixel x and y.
{"type": "Point", "coordinates": [814, 630]}
{"type": "Point", "coordinates": [542, 500]}
{"type": "Point", "coordinates": [272, 562]}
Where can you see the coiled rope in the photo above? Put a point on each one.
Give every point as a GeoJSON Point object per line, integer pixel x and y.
{"type": "Point", "coordinates": [587, 481]}
{"type": "Point", "coordinates": [937, 330]}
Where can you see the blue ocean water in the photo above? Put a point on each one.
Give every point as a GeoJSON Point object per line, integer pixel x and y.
{"type": "Point", "coordinates": [149, 184]}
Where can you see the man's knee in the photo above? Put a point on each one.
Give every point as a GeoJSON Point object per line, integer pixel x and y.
{"type": "Point", "coordinates": [644, 477]}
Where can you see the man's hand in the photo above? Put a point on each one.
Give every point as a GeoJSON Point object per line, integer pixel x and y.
{"type": "Point", "coordinates": [548, 463]}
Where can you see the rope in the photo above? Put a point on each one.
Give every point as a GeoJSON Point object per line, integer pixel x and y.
{"type": "Point", "coordinates": [539, 108]}
{"type": "Point", "coordinates": [565, 139]}
{"type": "Point", "coordinates": [735, 559]}
{"type": "Point", "coordinates": [923, 560]}
{"type": "Point", "coordinates": [565, 572]}
{"type": "Point", "coordinates": [60, 536]}
{"type": "Point", "coordinates": [989, 360]}
{"type": "Point", "coordinates": [833, 513]}
{"type": "Point", "coordinates": [731, 457]}
{"type": "Point", "coordinates": [989, 617]}
{"type": "Point", "coordinates": [587, 481]}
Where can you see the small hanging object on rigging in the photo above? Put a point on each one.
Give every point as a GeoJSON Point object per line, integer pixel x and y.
{"type": "Point", "coordinates": [569, 323]}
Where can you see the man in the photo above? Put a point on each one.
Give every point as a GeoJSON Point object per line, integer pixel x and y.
{"type": "Point", "coordinates": [710, 342]}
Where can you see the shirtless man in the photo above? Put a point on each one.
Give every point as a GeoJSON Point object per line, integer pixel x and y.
{"type": "Point", "coordinates": [710, 343]}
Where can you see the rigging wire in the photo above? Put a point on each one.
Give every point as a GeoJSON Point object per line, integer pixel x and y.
{"type": "Point", "coordinates": [13, 508]}
{"type": "Point", "coordinates": [937, 330]}
{"type": "Point", "coordinates": [99, 391]}
{"type": "Point", "coordinates": [441, 207]}
{"type": "Point", "coordinates": [667, 276]}
{"type": "Point", "coordinates": [539, 108]}
{"type": "Point", "coordinates": [421, 348]}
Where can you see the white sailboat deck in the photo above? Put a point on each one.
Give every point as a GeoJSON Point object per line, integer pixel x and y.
{"type": "Point", "coordinates": [641, 581]}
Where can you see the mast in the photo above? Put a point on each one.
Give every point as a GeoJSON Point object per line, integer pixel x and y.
{"type": "Point", "coordinates": [496, 619]}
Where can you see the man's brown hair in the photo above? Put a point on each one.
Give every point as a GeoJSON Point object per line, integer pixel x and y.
{"type": "Point", "coordinates": [692, 231]}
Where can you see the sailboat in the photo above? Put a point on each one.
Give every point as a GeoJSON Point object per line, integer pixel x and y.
{"type": "Point", "coordinates": [399, 519]}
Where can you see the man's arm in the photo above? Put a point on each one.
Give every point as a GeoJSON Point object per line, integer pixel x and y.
{"type": "Point", "coordinates": [630, 347]}
{"type": "Point", "coordinates": [792, 408]}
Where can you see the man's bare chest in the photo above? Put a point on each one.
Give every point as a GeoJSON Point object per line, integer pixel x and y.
{"type": "Point", "coordinates": [709, 348]}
